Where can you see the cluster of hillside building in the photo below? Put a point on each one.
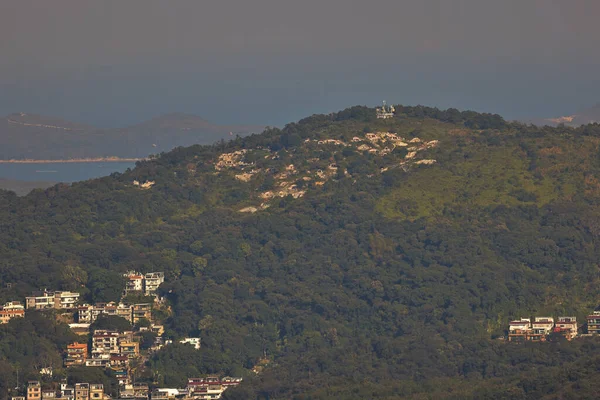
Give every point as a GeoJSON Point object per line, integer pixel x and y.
{"type": "Point", "coordinates": [539, 328]}
{"type": "Point", "coordinates": [208, 388]}
{"type": "Point", "coordinates": [144, 283]}
{"type": "Point", "coordinates": [116, 351]}
{"type": "Point", "coordinates": [86, 314]}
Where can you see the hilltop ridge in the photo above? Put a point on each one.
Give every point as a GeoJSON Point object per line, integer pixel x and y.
{"type": "Point", "coordinates": [391, 272]}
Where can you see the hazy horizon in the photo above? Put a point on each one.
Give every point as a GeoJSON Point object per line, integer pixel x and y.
{"type": "Point", "coordinates": [112, 64]}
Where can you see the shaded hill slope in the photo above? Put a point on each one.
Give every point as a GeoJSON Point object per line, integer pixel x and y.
{"type": "Point", "coordinates": [343, 256]}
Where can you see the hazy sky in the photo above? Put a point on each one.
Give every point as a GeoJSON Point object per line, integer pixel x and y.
{"type": "Point", "coordinates": [112, 63]}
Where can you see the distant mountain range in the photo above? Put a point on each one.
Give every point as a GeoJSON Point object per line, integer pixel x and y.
{"type": "Point", "coordinates": [30, 136]}
{"type": "Point", "coordinates": [588, 116]}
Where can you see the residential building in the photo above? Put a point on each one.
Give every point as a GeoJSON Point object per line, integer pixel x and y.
{"type": "Point", "coordinates": [129, 349]}
{"type": "Point", "coordinates": [168, 393]}
{"type": "Point", "coordinates": [34, 390]}
{"type": "Point", "coordinates": [541, 328]}
{"type": "Point", "coordinates": [193, 341]}
{"type": "Point", "coordinates": [10, 310]}
{"type": "Point", "coordinates": [101, 361]}
{"type": "Point", "coordinates": [211, 387]}
{"type": "Point", "coordinates": [159, 395]}
{"type": "Point", "coordinates": [67, 392]}
{"type": "Point", "coordinates": [147, 283]}
{"type": "Point", "coordinates": [158, 329]}
{"type": "Point", "coordinates": [567, 326]}
{"type": "Point", "coordinates": [105, 342]}
{"type": "Point", "coordinates": [82, 391]}
{"type": "Point", "coordinates": [125, 311]}
{"type": "Point", "coordinates": [47, 300]}
{"type": "Point", "coordinates": [18, 398]}
{"type": "Point", "coordinates": [122, 377]}
{"type": "Point", "coordinates": [40, 301]}
{"type": "Point", "coordinates": [96, 391]}
{"type": "Point", "coordinates": [140, 390]}
{"type": "Point", "coordinates": [141, 311]}
{"type": "Point", "coordinates": [119, 362]}
{"type": "Point", "coordinates": [65, 300]}
{"type": "Point", "coordinates": [519, 330]}
{"type": "Point", "coordinates": [76, 354]}
{"type": "Point", "coordinates": [89, 313]}
{"type": "Point", "coordinates": [48, 395]}
{"type": "Point", "coordinates": [134, 282]}
{"type": "Point", "coordinates": [593, 323]}
{"type": "Point", "coordinates": [152, 281]}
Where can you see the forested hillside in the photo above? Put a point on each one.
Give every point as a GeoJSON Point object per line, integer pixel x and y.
{"type": "Point", "coordinates": [341, 257]}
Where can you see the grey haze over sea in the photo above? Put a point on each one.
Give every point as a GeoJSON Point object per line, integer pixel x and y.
{"type": "Point", "coordinates": [61, 172]}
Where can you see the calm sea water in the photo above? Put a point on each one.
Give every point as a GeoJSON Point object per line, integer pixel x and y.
{"type": "Point", "coordinates": [61, 172]}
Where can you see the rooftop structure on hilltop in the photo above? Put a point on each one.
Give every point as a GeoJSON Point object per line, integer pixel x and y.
{"type": "Point", "coordinates": [385, 111]}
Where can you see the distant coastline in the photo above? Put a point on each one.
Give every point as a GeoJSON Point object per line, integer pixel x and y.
{"type": "Point", "coordinates": [71, 160]}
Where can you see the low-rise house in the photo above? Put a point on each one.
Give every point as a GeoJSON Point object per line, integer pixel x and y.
{"type": "Point", "coordinates": [67, 392]}
{"type": "Point", "coordinates": [210, 387]}
{"type": "Point", "coordinates": [101, 361]}
{"type": "Point", "coordinates": [141, 311]}
{"type": "Point", "coordinates": [82, 391]}
{"type": "Point", "coordinates": [34, 390]}
{"type": "Point", "coordinates": [10, 310]}
{"type": "Point", "coordinates": [152, 281]}
{"type": "Point", "coordinates": [48, 395]}
{"type": "Point", "coordinates": [122, 377]}
{"type": "Point", "coordinates": [519, 330]}
{"type": "Point", "coordinates": [192, 341]}
{"type": "Point", "coordinates": [593, 323]}
{"type": "Point", "coordinates": [168, 393]}
{"type": "Point", "coordinates": [129, 349]}
{"type": "Point", "coordinates": [158, 329]}
{"type": "Point", "coordinates": [567, 326]}
{"type": "Point", "coordinates": [105, 342]}
{"type": "Point", "coordinates": [97, 391]}
{"type": "Point", "coordinates": [541, 328]}
{"type": "Point", "coordinates": [87, 313]}
{"type": "Point", "coordinates": [57, 300]}
{"type": "Point", "coordinates": [77, 353]}
{"type": "Point", "coordinates": [140, 390]}
{"type": "Point", "coordinates": [158, 395]}
{"type": "Point", "coordinates": [134, 282]}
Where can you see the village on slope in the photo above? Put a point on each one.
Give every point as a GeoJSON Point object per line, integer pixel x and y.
{"type": "Point", "coordinates": [118, 351]}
